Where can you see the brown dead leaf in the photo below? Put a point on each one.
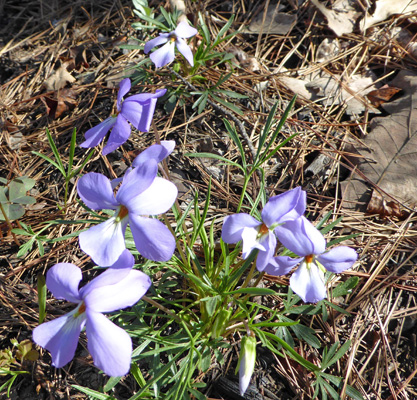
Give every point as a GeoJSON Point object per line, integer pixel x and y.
{"type": "Point", "coordinates": [343, 90]}
{"type": "Point", "coordinates": [341, 18]}
{"type": "Point", "coordinates": [382, 95]}
{"type": "Point", "coordinates": [386, 8]}
{"type": "Point", "coordinates": [247, 62]}
{"type": "Point", "coordinates": [378, 205]}
{"type": "Point", "coordinates": [272, 21]}
{"type": "Point", "coordinates": [59, 79]}
{"type": "Point", "coordinates": [64, 100]}
{"type": "Point", "coordinates": [389, 152]}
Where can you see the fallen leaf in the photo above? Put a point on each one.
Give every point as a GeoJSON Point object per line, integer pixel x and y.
{"type": "Point", "coordinates": [272, 21]}
{"type": "Point", "coordinates": [341, 19]}
{"type": "Point", "coordinates": [59, 79]}
{"type": "Point", "coordinates": [378, 205]}
{"type": "Point", "coordinates": [247, 62]}
{"type": "Point", "coordinates": [328, 48]}
{"type": "Point", "coordinates": [389, 153]}
{"type": "Point", "coordinates": [339, 90]}
{"type": "Point", "coordinates": [382, 95]}
{"type": "Point", "coordinates": [64, 100]}
{"type": "Point", "coordinates": [386, 8]}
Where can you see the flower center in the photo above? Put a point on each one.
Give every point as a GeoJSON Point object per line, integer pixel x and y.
{"type": "Point", "coordinates": [263, 230]}
{"type": "Point", "coordinates": [80, 310]}
{"type": "Point", "coordinates": [122, 213]}
{"type": "Point", "coordinates": [173, 37]}
{"type": "Point", "coordinates": [309, 258]}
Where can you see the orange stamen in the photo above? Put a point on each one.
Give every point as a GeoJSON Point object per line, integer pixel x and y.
{"type": "Point", "coordinates": [82, 308]}
{"type": "Point", "coordinates": [263, 230]}
{"type": "Point", "coordinates": [122, 213]}
{"type": "Point", "coordinates": [309, 258]}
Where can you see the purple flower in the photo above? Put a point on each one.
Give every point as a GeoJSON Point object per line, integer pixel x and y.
{"type": "Point", "coordinates": [303, 239]}
{"type": "Point", "coordinates": [114, 289]}
{"type": "Point", "coordinates": [157, 152]}
{"type": "Point", "coordinates": [141, 193]}
{"type": "Point", "coordinates": [137, 109]}
{"type": "Point", "coordinates": [260, 235]}
{"type": "Point", "coordinates": [166, 53]}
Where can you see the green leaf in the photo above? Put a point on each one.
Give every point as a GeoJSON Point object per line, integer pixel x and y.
{"type": "Point", "coordinates": [253, 291]}
{"type": "Point", "coordinates": [94, 394]}
{"type": "Point", "coordinates": [343, 288]}
{"type": "Point", "coordinates": [111, 383]}
{"type": "Point", "coordinates": [13, 211]}
{"type": "Point", "coordinates": [16, 190]}
{"type": "Point", "coordinates": [211, 303]}
{"type": "Point", "coordinates": [137, 374]}
{"type": "Point", "coordinates": [25, 200]}
{"type": "Point", "coordinates": [27, 182]}
{"type": "Point", "coordinates": [340, 353]}
{"type": "Point", "coordinates": [307, 334]}
{"type": "Point", "coordinates": [41, 297]}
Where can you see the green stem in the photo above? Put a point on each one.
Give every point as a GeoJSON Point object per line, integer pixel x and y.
{"type": "Point", "coordinates": [9, 224]}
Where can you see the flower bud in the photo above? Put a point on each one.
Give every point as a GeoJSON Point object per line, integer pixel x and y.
{"type": "Point", "coordinates": [247, 360]}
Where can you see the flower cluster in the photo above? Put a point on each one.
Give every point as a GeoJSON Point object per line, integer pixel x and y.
{"type": "Point", "coordinates": [135, 199]}
{"type": "Point", "coordinates": [282, 218]}
{"type": "Point", "coordinates": [141, 192]}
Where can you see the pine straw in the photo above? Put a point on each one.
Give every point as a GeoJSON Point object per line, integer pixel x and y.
{"type": "Point", "coordinates": [382, 359]}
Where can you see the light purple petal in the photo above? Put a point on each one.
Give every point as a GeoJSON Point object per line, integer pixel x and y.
{"type": "Point", "coordinates": [301, 237]}
{"type": "Point", "coordinates": [157, 152]}
{"type": "Point", "coordinates": [287, 206]}
{"type": "Point", "coordinates": [164, 55]}
{"type": "Point", "coordinates": [251, 241]}
{"type": "Point", "coordinates": [96, 134]}
{"type": "Point", "coordinates": [126, 260]}
{"type": "Point", "coordinates": [139, 114]}
{"type": "Point", "coordinates": [139, 109]}
{"type": "Point", "coordinates": [269, 241]}
{"type": "Point", "coordinates": [119, 134]}
{"type": "Point", "coordinates": [308, 283]}
{"type": "Point", "coordinates": [118, 294]}
{"type": "Point", "coordinates": [106, 279]}
{"type": "Point", "coordinates": [281, 265]}
{"type": "Point", "coordinates": [161, 39]}
{"type": "Point", "coordinates": [60, 337]}
{"type": "Point", "coordinates": [338, 259]}
{"type": "Point", "coordinates": [104, 242]}
{"type": "Point", "coordinates": [124, 88]}
{"type": "Point", "coordinates": [156, 199]}
{"type": "Point", "coordinates": [144, 97]}
{"type": "Point", "coordinates": [234, 224]}
{"type": "Point", "coordinates": [185, 31]}
{"type": "Point", "coordinates": [152, 238]}
{"type": "Point", "coordinates": [185, 50]}
{"type": "Point", "coordinates": [96, 191]}
{"type": "Point", "coordinates": [110, 346]}
{"type": "Point", "coordinates": [63, 280]}
{"type": "Point", "coordinates": [136, 182]}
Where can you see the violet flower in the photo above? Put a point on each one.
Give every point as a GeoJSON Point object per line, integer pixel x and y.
{"type": "Point", "coordinates": [137, 109]}
{"type": "Point", "coordinates": [278, 210]}
{"type": "Point", "coordinates": [157, 152]}
{"type": "Point", "coordinates": [166, 54]}
{"type": "Point", "coordinates": [109, 345]}
{"type": "Point", "coordinates": [141, 193]}
{"type": "Point", "coordinates": [302, 238]}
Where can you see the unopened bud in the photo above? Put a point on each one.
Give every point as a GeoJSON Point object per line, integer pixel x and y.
{"type": "Point", "coordinates": [246, 364]}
